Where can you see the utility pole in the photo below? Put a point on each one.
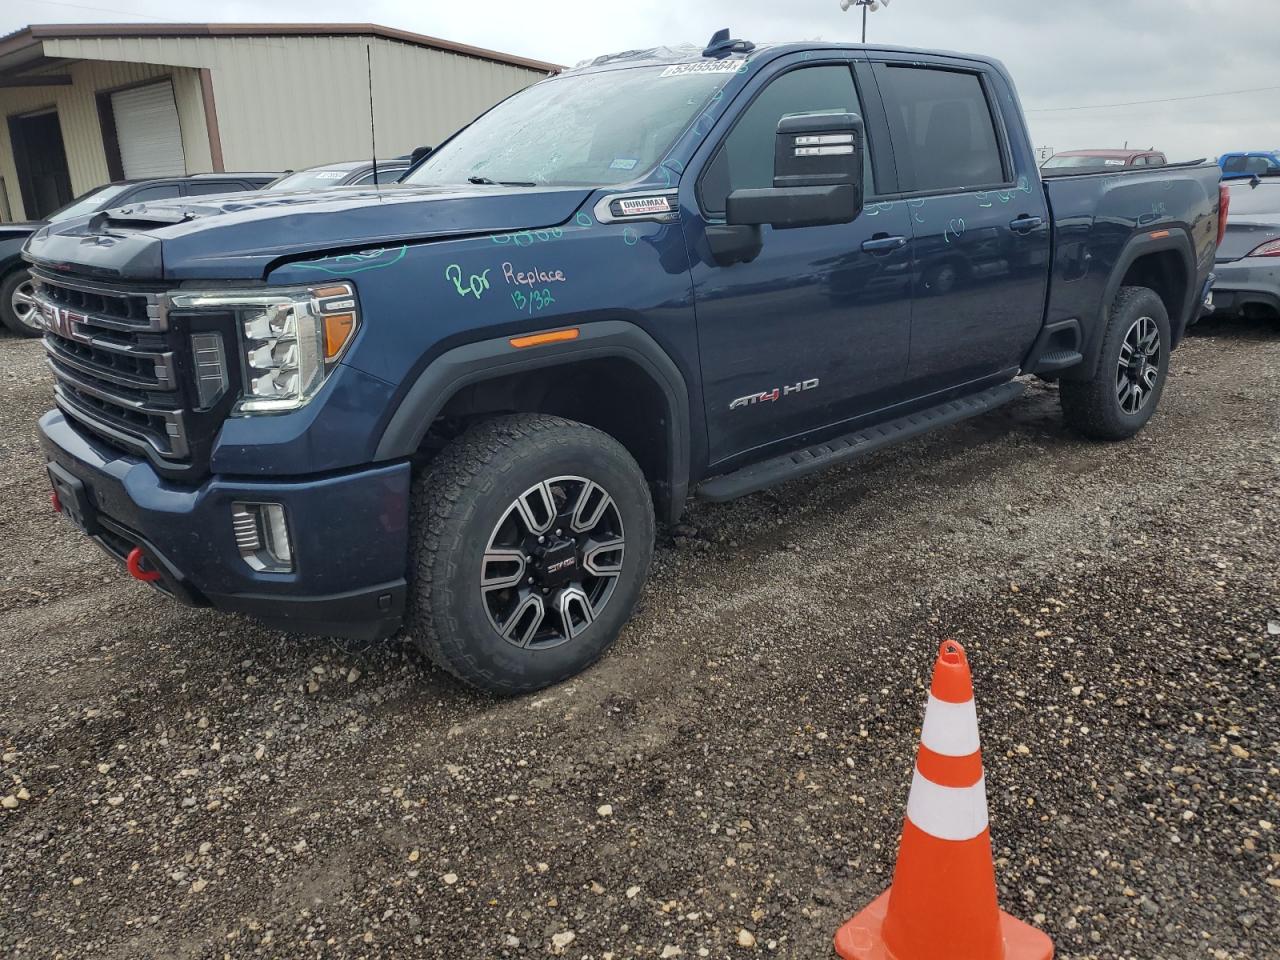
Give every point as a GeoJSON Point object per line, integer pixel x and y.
{"type": "Point", "coordinates": [867, 7]}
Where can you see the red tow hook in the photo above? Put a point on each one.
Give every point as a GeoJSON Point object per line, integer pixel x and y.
{"type": "Point", "coordinates": [136, 570]}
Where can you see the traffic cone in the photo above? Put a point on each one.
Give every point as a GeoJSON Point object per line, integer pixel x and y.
{"type": "Point", "coordinates": [942, 903]}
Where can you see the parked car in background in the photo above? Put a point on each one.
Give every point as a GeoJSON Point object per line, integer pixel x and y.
{"type": "Point", "coordinates": [16, 304]}
{"type": "Point", "coordinates": [1102, 159]}
{"type": "Point", "coordinates": [1249, 163]}
{"type": "Point", "coordinates": [352, 173]}
{"type": "Point", "coordinates": [1248, 259]}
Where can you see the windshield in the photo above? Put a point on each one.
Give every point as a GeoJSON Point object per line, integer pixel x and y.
{"type": "Point", "coordinates": [1056, 162]}
{"type": "Point", "coordinates": [589, 129]}
{"type": "Point", "coordinates": [309, 180]}
{"type": "Point", "coordinates": [89, 202]}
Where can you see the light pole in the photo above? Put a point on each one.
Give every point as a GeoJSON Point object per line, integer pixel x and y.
{"type": "Point", "coordinates": [866, 5]}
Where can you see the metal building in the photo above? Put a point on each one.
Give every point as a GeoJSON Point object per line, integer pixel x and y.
{"type": "Point", "coordinates": [85, 104]}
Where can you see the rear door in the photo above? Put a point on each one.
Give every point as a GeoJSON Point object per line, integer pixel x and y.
{"type": "Point", "coordinates": [815, 330]}
{"type": "Point", "coordinates": [981, 224]}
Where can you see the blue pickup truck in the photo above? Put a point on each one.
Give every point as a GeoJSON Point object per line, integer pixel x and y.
{"type": "Point", "coordinates": [459, 405]}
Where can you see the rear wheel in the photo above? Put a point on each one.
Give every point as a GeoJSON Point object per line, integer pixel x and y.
{"type": "Point", "coordinates": [1132, 368]}
{"type": "Point", "coordinates": [533, 537]}
{"type": "Point", "coordinates": [18, 304]}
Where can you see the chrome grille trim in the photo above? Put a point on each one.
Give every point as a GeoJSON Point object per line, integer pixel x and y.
{"type": "Point", "coordinates": [58, 351]}
{"type": "Point", "coordinates": [113, 361]}
{"type": "Point", "coordinates": [145, 310]}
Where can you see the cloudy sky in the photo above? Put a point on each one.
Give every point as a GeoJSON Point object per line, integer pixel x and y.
{"type": "Point", "coordinates": [1062, 53]}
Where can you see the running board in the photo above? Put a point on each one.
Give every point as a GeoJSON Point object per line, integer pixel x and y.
{"type": "Point", "coordinates": [758, 476]}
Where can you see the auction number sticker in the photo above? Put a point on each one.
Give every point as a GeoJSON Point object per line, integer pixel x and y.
{"type": "Point", "coordinates": [703, 66]}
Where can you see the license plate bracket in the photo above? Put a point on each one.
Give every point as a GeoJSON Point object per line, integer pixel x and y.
{"type": "Point", "coordinates": [73, 496]}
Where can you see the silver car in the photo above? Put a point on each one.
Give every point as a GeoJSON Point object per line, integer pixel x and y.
{"type": "Point", "coordinates": [1248, 265]}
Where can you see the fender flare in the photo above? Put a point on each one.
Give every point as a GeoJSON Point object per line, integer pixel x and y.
{"type": "Point", "coordinates": [489, 359]}
{"type": "Point", "coordinates": [1177, 239]}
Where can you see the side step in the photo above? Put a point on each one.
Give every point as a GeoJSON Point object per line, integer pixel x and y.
{"type": "Point", "coordinates": [757, 476]}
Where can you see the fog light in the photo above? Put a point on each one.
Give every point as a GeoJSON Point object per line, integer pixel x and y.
{"type": "Point", "coordinates": [262, 536]}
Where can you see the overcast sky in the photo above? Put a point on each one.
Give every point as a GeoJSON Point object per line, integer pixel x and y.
{"type": "Point", "coordinates": [1062, 53]}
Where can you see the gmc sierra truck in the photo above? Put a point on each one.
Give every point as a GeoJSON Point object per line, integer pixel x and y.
{"type": "Point", "coordinates": [458, 405]}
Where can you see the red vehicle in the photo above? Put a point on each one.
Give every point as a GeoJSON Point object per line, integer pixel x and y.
{"type": "Point", "coordinates": [1099, 159]}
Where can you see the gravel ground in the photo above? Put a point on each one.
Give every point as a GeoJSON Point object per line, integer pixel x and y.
{"type": "Point", "coordinates": [187, 784]}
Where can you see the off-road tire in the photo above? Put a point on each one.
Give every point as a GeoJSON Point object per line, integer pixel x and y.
{"type": "Point", "coordinates": [458, 500]}
{"type": "Point", "coordinates": [1093, 407]}
{"type": "Point", "coordinates": [9, 285]}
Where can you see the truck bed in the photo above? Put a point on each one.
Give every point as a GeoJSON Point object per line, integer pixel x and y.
{"type": "Point", "coordinates": [1102, 220]}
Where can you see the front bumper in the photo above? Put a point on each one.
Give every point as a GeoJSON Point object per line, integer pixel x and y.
{"type": "Point", "coordinates": [1249, 281]}
{"type": "Point", "coordinates": [349, 534]}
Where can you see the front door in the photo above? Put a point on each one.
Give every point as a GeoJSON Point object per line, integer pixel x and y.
{"type": "Point", "coordinates": [41, 161]}
{"type": "Point", "coordinates": [816, 329]}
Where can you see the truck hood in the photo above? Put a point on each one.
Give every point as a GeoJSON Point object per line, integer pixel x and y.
{"type": "Point", "coordinates": [243, 236]}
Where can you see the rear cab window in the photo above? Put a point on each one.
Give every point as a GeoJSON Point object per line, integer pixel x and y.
{"type": "Point", "coordinates": [945, 136]}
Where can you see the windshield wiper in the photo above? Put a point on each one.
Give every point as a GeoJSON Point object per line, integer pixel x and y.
{"type": "Point", "coordinates": [486, 182]}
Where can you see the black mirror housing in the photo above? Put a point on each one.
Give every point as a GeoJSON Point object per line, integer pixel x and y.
{"type": "Point", "coordinates": [817, 175]}
{"type": "Point", "coordinates": [818, 150]}
{"type": "Point", "coordinates": [786, 207]}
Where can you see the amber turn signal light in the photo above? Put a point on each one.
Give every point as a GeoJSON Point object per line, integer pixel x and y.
{"type": "Point", "coordinates": [536, 339]}
{"type": "Point", "coordinates": [338, 328]}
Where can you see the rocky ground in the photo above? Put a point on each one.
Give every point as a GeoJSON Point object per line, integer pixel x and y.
{"type": "Point", "coordinates": [731, 779]}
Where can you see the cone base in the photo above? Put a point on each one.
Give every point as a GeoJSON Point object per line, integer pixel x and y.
{"type": "Point", "coordinates": [860, 938]}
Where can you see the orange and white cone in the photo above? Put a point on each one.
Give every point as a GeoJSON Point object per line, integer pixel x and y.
{"type": "Point", "coordinates": [942, 903]}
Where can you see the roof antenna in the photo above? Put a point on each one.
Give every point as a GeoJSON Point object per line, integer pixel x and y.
{"type": "Point", "coordinates": [722, 45]}
{"type": "Point", "coordinates": [373, 130]}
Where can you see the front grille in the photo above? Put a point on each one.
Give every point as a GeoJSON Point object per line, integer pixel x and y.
{"type": "Point", "coordinates": [124, 373]}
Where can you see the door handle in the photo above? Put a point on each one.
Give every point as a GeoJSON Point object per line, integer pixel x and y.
{"type": "Point", "coordinates": [881, 243]}
{"type": "Point", "coordinates": [1025, 224]}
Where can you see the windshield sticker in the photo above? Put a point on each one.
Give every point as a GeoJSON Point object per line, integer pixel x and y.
{"type": "Point", "coordinates": [643, 206]}
{"type": "Point", "coordinates": [1113, 163]}
{"type": "Point", "coordinates": [703, 66]}
{"type": "Point", "coordinates": [330, 175]}
{"type": "Point", "coordinates": [623, 163]}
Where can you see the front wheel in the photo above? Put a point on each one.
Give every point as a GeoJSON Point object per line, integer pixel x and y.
{"type": "Point", "coordinates": [532, 540]}
{"type": "Point", "coordinates": [18, 304]}
{"type": "Point", "coordinates": [1133, 365]}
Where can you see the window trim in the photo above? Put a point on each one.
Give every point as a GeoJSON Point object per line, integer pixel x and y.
{"type": "Point", "coordinates": [151, 185]}
{"type": "Point", "coordinates": [1008, 166]}
{"type": "Point", "coordinates": [836, 58]}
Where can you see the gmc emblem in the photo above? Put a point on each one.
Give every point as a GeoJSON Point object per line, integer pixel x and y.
{"type": "Point", "coordinates": [60, 320]}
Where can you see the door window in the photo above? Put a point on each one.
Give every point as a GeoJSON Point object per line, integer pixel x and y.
{"type": "Point", "coordinates": [744, 159]}
{"type": "Point", "coordinates": [944, 136]}
{"type": "Point", "coordinates": [157, 191]}
{"type": "Point", "coordinates": [198, 188]}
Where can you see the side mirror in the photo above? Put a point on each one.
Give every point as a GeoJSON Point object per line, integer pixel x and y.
{"type": "Point", "coordinates": [817, 175]}
{"type": "Point", "coordinates": [418, 154]}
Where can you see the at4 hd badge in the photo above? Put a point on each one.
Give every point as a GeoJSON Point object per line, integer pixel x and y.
{"type": "Point", "coordinates": [769, 396]}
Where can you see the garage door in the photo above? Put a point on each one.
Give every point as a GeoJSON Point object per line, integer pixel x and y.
{"type": "Point", "coordinates": [148, 132]}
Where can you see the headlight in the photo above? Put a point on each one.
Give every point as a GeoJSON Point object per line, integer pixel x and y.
{"type": "Point", "coordinates": [291, 338]}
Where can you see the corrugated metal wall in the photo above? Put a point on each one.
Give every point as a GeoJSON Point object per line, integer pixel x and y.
{"type": "Point", "coordinates": [78, 118]}
{"type": "Point", "coordinates": [292, 102]}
